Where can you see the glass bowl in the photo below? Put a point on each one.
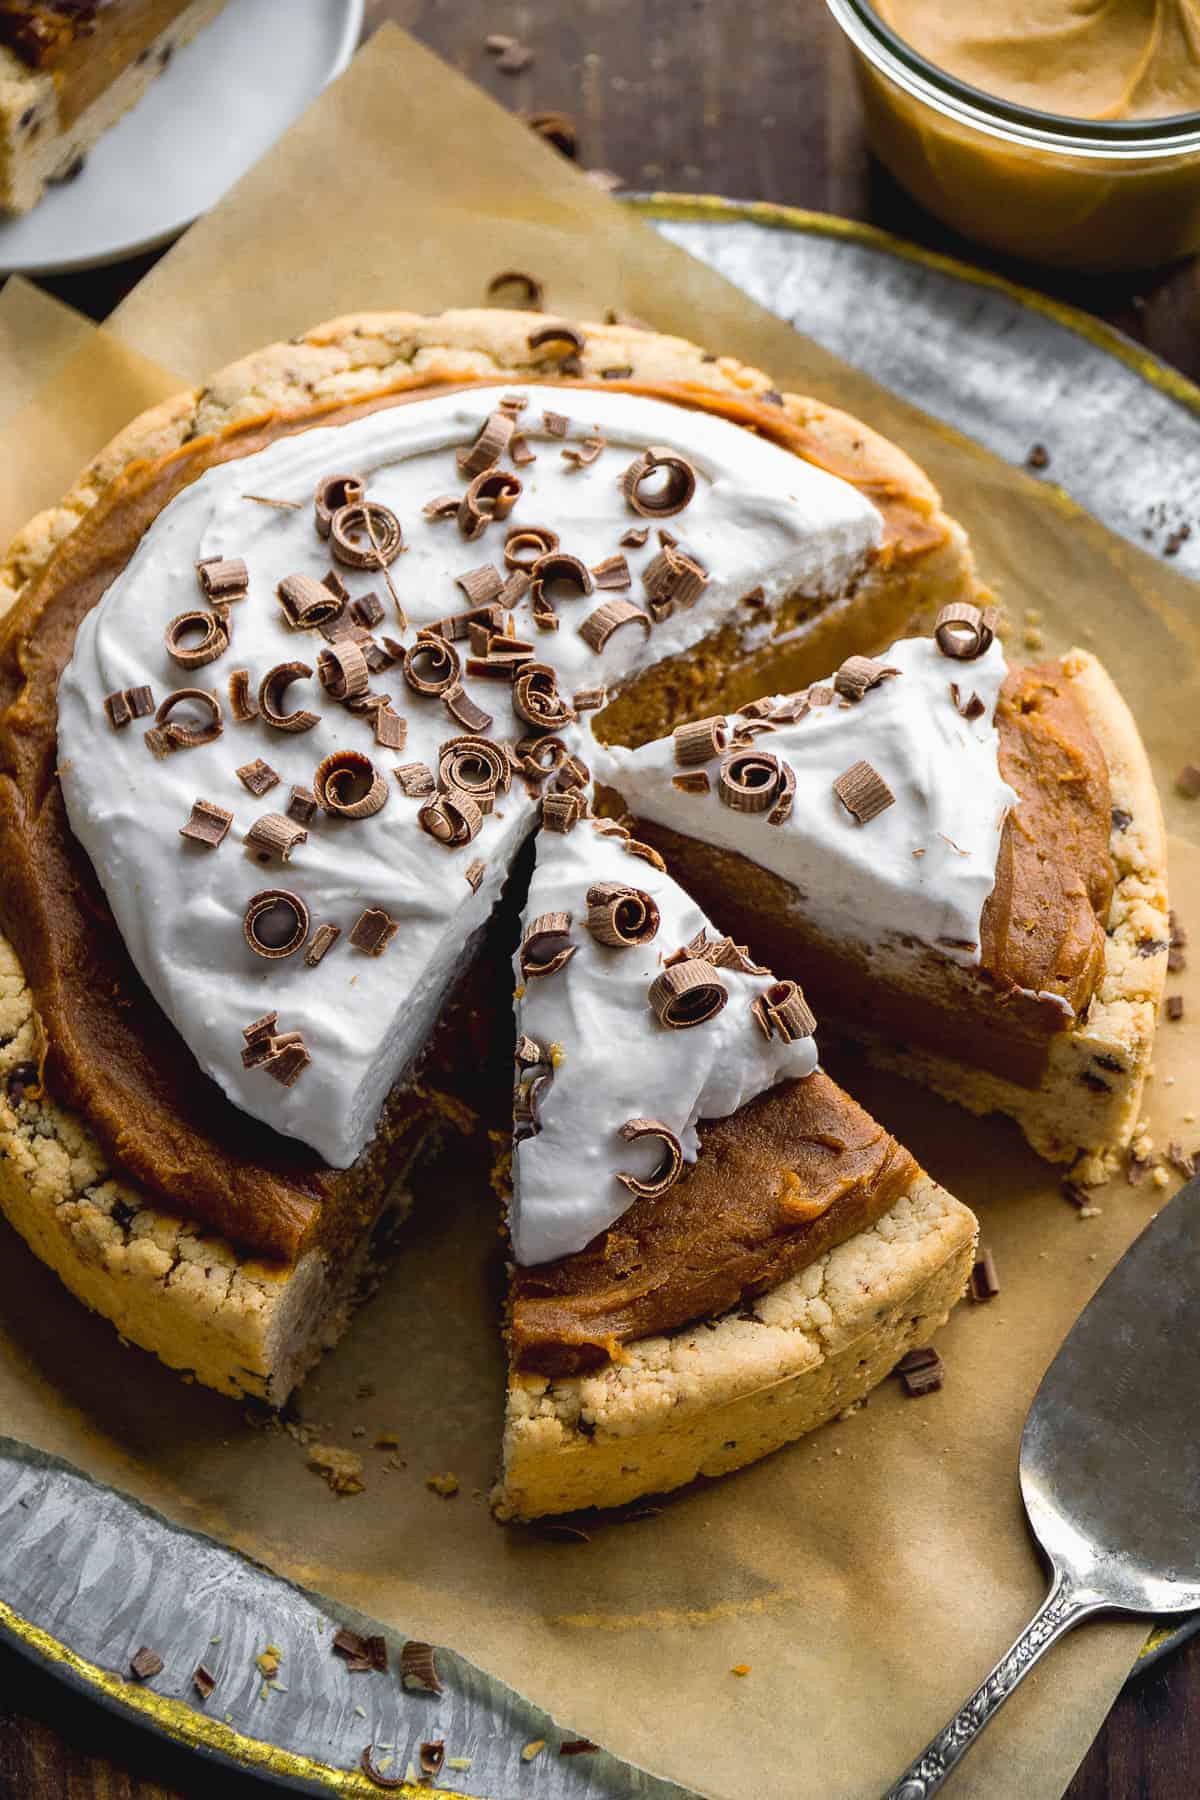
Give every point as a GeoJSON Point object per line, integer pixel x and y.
{"type": "Point", "coordinates": [1078, 193]}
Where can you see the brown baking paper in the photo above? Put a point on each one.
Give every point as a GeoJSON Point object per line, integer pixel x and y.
{"type": "Point", "coordinates": [870, 1575]}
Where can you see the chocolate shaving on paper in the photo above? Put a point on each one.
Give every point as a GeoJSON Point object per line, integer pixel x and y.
{"type": "Point", "coordinates": [208, 824]}
{"type": "Point", "coordinates": [465, 711]}
{"type": "Point", "coordinates": [687, 994]}
{"type": "Point", "coordinates": [275, 923]}
{"type": "Point", "coordinates": [621, 916]}
{"type": "Point", "coordinates": [258, 777]}
{"type": "Point", "coordinates": [546, 946]}
{"type": "Point", "coordinates": [271, 690]}
{"type": "Point", "coordinates": [368, 609]}
{"type": "Point", "coordinates": [366, 1763]}
{"type": "Point", "coordinates": [391, 731]}
{"type": "Point", "coordinates": [863, 792]}
{"type": "Point", "coordinates": [308, 603]}
{"type": "Point", "coordinates": [963, 632]}
{"type": "Point", "coordinates": [699, 741]}
{"type": "Point", "coordinates": [418, 1667]}
{"type": "Point", "coordinates": [373, 931]}
{"type": "Point", "coordinates": [672, 1166]}
{"type": "Point", "coordinates": [146, 1663]}
{"type": "Point", "coordinates": [274, 836]}
{"type": "Point", "coordinates": [223, 578]}
{"type": "Point", "coordinates": [783, 1012]}
{"type": "Point", "coordinates": [480, 585]}
{"type": "Point", "coordinates": [212, 642]}
{"type": "Point", "coordinates": [242, 703]}
{"type": "Point", "coordinates": [600, 625]}
{"type": "Point", "coordinates": [189, 737]}
{"type": "Point", "coordinates": [348, 784]}
{"type": "Point", "coordinates": [859, 674]}
{"type": "Point", "coordinates": [203, 1680]}
{"type": "Point", "coordinates": [670, 494]}
{"type": "Point", "coordinates": [324, 938]}
{"type": "Point", "coordinates": [430, 1756]}
{"type": "Point", "coordinates": [531, 293]}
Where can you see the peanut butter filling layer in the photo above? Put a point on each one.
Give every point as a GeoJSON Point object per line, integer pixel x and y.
{"type": "Point", "coordinates": [110, 1053]}
{"type": "Point", "coordinates": [795, 1172]}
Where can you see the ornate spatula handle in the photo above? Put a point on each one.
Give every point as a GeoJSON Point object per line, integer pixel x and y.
{"type": "Point", "coordinates": [1060, 1610]}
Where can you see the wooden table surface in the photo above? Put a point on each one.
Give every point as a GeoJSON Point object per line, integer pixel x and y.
{"type": "Point", "coordinates": [755, 99]}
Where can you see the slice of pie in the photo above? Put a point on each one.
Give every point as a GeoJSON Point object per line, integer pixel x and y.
{"type": "Point", "coordinates": [69, 69]}
{"type": "Point", "coordinates": [716, 1250]}
{"type": "Point", "coordinates": [288, 684]}
{"type": "Point", "coordinates": [987, 913]}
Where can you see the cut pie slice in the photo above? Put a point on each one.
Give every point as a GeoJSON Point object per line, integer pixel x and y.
{"type": "Point", "coordinates": [716, 1249]}
{"type": "Point", "coordinates": [998, 928]}
{"type": "Point", "coordinates": [69, 69]}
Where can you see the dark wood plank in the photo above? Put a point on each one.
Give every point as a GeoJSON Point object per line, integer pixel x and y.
{"type": "Point", "coordinates": [756, 99]}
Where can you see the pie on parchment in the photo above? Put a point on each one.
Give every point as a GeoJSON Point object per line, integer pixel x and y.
{"type": "Point", "coordinates": [250, 972]}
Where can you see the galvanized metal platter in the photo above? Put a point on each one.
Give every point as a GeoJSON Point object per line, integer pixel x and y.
{"type": "Point", "coordinates": [86, 1571]}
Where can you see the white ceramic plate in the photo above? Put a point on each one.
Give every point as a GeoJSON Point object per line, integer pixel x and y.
{"type": "Point", "coordinates": [223, 101]}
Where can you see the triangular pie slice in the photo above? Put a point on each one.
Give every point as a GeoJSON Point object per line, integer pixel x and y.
{"type": "Point", "coordinates": [715, 1248]}
{"type": "Point", "coordinates": [989, 914]}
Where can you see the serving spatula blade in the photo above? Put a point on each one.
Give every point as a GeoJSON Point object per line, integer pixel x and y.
{"type": "Point", "coordinates": [1110, 1467]}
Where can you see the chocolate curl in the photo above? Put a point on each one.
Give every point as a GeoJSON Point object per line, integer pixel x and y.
{"type": "Point", "coordinates": [375, 1775]}
{"type": "Point", "coordinates": [964, 632]}
{"type": "Point", "coordinates": [475, 766]}
{"type": "Point", "coordinates": [582, 456]}
{"type": "Point", "coordinates": [613, 572]}
{"type": "Point", "coordinates": [687, 994]}
{"type": "Point", "coordinates": [525, 545]}
{"type": "Point", "coordinates": [342, 670]}
{"type": "Point", "coordinates": [480, 585]}
{"type": "Point", "coordinates": [562, 811]}
{"type": "Point", "coordinates": [599, 626]}
{"type": "Point", "coordinates": [491, 495]}
{"type": "Point", "coordinates": [635, 537]}
{"type": "Point", "coordinates": [973, 708]}
{"type": "Point", "coordinates": [672, 1166]}
{"type": "Point", "coordinates": [275, 923]}
{"type": "Point", "coordinates": [348, 785]}
{"type": "Point", "coordinates": [242, 703]}
{"type": "Point", "coordinates": [546, 946]}
{"type": "Point", "coordinates": [416, 779]}
{"type": "Point", "coordinates": [700, 741]}
{"type": "Point", "coordinates": [863, 792]}
{"type": "Point", "coordinates": [540, 756]}
{"type": "Point", "coordinates": [859, 674]}
{"type": "Point", "coordinates": [673, 578]}
{"type": "Point", "coordinates": [621, 916]}
{"type": "Point", "coordinates": [536, 698]}
{"type": "Point", "coordinates": [750, 781]}
{"type": "Point", "coordinates": [531, 290]}
{"type": "Point", "coordinates": [381, 528]}
{"type": "Point", "coordinates": [556, 567]}
{"type": "Point", "coordinates": [473, 874]}
{"type": "Point", "coordinates": [573, 772]}
{"type": "Point", "coordinates": [373, 931]}
{"type": "Point", "coordinates": [463, 709]}
{"type": "Point", "coordinates": [188, 737]}
{"type": "Point", "coordinates": [333, 493]}
{"type": "Point", "coordinates": [272, 836]}
{"type": "Point", "coordinates": [442, 506]}
{"type": "Point", "coordinates": [791, 709]}
{"type": "Point", "coordinates": [489, 445]}
{"type": "Point", "coordinates": [781, 811]}
{"type": "Point", "coordinates": [223, 578]}
{"type": "Point", "coordinates": [140, 700]}
{"type": "Point", "coordinates": [676, 492]}
{"type": "Point", "coordinates": [309, 603]}
{"type": "Point", "coordinates": [453, 818]}
{"type": "Point", "coordinates": [418, 1667]}
{"type": "Point", "coordinates": [271, 691]}
{"type": "Point", "coordinates": [634, 847]}
{"type": "Point", "coordinates": [783, 1012]}
{"type": "Point", "coordinates": [213, 642]}
{"type": "Point", "coordinates": [258, 777]}
{"type": "Point", "coordinates": [324, 938]}
{"type": "Point", "coordinates": [431, 665]}
{"type": "Point", "coordinates": [207, 825]}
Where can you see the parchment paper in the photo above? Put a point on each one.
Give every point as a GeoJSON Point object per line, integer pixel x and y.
{"type": "Point", "coordinates": [871, 1574]}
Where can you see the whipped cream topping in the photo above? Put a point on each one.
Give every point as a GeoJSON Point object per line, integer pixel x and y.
{"type": "Point", "coordinates": [922, 868]}
{"type": "Point", "coordinates": [612, 1060]}
{"type": "Point", "coordinates": [759, 517]}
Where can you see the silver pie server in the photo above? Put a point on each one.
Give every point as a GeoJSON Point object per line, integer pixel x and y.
{"type": "Point", "coordinates": [1110, 1467]}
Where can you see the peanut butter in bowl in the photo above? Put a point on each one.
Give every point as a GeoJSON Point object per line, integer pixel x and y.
{"type": "Point", "coordinates": [1064, 131]}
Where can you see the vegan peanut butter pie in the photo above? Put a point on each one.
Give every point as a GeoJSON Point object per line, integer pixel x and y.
{"type": "Point", "coordinates": [420, 661]}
